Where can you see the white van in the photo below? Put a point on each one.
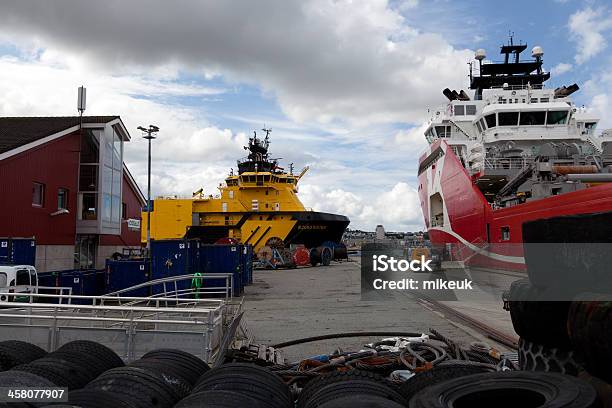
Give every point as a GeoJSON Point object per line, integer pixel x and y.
{"type": "Point", "coordinates": [17, 279]}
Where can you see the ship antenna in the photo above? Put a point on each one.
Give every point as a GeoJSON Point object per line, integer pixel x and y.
{"type": "Point", "coordinates": [291, 168]}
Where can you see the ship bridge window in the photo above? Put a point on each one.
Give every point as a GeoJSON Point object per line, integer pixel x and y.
{"type": "Point", "coordinates": [508, 118]}
{"type": "Point", "coordinates": [459, 110]}
{"type": "Point", "coordinates": [482, 124]}
{"type": "Point", "coordinates": [490, 120]}
{"type": "Point", "coordinates": [534, 100]}
{"type": "Point", "coordinates": [479, 127]}
{"type": "Point", "coordinates": [470, 109]}
{"type": "Point", "coordinates": [556, 118]}
{"type": "Point", "coordinates": [544, 100]}
{"type": "Point", "coordinates": [443, 131]}
{"type": "Point", "coordinates": [532, 118]}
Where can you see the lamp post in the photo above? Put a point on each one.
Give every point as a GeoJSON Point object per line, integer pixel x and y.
{"type": "Point", "coordinates": [149, 134]}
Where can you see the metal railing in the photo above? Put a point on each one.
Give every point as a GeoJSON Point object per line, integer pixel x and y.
{"type": "Point", "coordinates": [131, 331]}
{"type": "Point", "coordinates": [187, 318]}
{"type": "Point", "coordinates": [509, 163]}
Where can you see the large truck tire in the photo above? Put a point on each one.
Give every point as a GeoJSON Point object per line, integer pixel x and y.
{"type": "Point", "coordinates": [317, 383]}
{"type": "Point", "coordinates": [137, 386]}
{"type": "Point", "coordinates": [590, 331]}
{"type": "Point", "coordinates": [218, 399]}
{"type": "Point", "coordinates": [349, 388]}
{"type": "Point", "coordinates": [191, 367]}
{"type": "Point", "coordinates": [536, 357]}
{"type": "Point", "coordinates": [108, 358]}
{"type": "Point", "coordinates": [542, 322]}
{"type": "Point", "coordinates": [514, 388]}
{"type": "Point", "coordinates": [437, 375]}
{"type": "Point", "coordinates": [256, 382]}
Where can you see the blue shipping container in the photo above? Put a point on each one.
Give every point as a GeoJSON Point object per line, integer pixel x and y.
{"type": "Point", "coordinates": [171, 258]}
{"type": "Point", "coordinates": [223, 259]}
{"type": "Point", "coordinates": [127, 273]}
{"type": "Point", "coordinates": [85, 282]}
{"type": "Point", "coordinates": [18, 251]}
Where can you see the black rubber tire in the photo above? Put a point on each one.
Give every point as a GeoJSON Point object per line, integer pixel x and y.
{"type": "Point", "coordinates": [536, 357]}
{"type": "Point", "coordinates": [90, 363]}
{"type": "Point", "coordinates": [194, 364]}
{"type": "Point", "coordinates": [23, 379]}
{"type": "Point", "coordinates": [435, 376]}
{"type": "Point", "coordinates": [349, 388]}
{"type": "Point", "coordinates": [166, 372]}
{"type": "Point", "coordinates": [137, 386]}
{"type": "Point", "coordinates": [508, 389]}
{"type": "Point", "coordinates": [361, 401]}
{"type": "Point", "coordinates": [81, 374]}
{"type": "Point", "coordinates": [326, 256]}
{"type": "Point", "coordinates": [543, 322]}
{"type": "Point", "coordinates": [61, 373]}
{"type": "Point", "coordinates": [15, 352]}
{"type": "Point", "coordinates": [218, 399]}
{"type": "Point", "coordinates": [29, 351]}
{"type": "Point", "coordinates": [590, 331]}
{"type": "Point", "coordinates": [317, 383]}
{"type": "Point", "coordinates": [91, 398]}
{"type": "Point", "coordinates": [249, 379]}
{"type": "Point", "coordinates": [186, 370]}
{"type": "Point", "coordinates": [108, 357]}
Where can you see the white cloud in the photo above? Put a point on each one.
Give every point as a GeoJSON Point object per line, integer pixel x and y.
{"type": "Point", "coordinates": [322, 59]}
{"type": "Point", "coordinates": [561, 68]}
{"type": "Point", "coordinates": [397, 208]}
{"type": "Point", "coordinates": [587, 28]}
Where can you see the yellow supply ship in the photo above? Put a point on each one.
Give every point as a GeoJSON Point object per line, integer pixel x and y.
{"type": "Point", "coordinates": [257, 206]}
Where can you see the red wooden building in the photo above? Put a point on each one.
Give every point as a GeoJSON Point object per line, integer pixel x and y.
{"type": "Point", "coordinates": [63, 181]}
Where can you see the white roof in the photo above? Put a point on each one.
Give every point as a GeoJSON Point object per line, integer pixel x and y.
{"type": "Point", "coordinates": [514, 107]}
{"type": "Point", "coordinates": [9, 268]}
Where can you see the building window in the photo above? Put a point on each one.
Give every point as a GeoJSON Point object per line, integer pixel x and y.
{"type": "Point", "coordinates": [62, 199]}
{"type": "Point", "coordinates": [505, 232]}
{"type": "Point", "coordinates": [88, 206]}
{"type": "Point", "coordinates": [123, 211]}
{"type": "Point", "coordinates": [38, 194]}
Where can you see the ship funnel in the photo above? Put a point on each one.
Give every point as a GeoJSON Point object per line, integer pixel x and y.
{"type": "Point", "coordinates": [480, 54]}
{"type": "Point", "coordinates": [537, 52]}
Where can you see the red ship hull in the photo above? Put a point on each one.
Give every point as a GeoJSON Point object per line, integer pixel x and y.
{"type": "Point", "coordinates": [475, 233]}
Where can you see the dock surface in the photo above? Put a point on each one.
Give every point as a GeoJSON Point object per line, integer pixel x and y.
{"type": "Point", "coordinates": [288, 304]}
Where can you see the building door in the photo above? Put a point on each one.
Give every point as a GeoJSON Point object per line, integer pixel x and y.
{"type": "Point", "coordinates": [85, 250]}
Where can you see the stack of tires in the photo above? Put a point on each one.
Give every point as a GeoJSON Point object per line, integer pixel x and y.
{"type": "Point", "coordinates": [564, 326]}
{"type": "Point", "coordinates": [544, 343]}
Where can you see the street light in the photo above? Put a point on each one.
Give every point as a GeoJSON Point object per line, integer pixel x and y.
{"type": "Point", "coordinates": [149, 134]}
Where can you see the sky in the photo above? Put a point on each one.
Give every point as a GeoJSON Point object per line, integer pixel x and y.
{"type": "Point", "coordinates": [345, 85]}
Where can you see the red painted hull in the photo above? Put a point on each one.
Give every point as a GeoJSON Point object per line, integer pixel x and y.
{"type": "Point", "coordinates": [474, 230]}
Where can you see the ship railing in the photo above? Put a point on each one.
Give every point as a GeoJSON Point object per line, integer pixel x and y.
{"type": "Point", "coordinates": [508, 163]}
{"type": "Point", "coordinates": [518, 87]}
